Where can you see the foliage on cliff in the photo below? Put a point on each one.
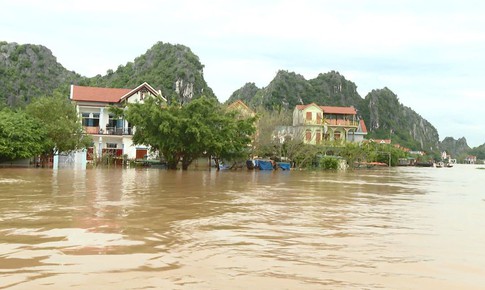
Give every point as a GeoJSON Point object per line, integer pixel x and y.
{"type": "Point", "coordinates": [289, 89]}
{"type": "Point", "coordinates": [478, 151]}
{"type": "Point", "coordinates": [386, 118]}
{"type": "Point", "coordinates": [29, 71]}
{"type": "Point", "coordinates": [174, 69]}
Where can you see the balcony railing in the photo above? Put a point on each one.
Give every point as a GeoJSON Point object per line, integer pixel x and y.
{"type": "Point", "coordinates": [332, 122]}
{"type": "Point", "coordinates": [91, 130]}
{"type": "Point", "coordinates": [342, 122]}
{"type": "Point", "coordinates": [313, 122]}
{"type": "Point", "coordinates": [118, 131]}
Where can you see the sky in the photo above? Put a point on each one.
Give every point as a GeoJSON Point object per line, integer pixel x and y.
{"type": "Point", "coordinates": [431, 54]}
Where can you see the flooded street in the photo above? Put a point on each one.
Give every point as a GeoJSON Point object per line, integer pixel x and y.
{"type": "Point", "coordinates": [399, 228]}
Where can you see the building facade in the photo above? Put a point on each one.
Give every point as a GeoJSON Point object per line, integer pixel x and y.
{"type": "Point", "coordinates": [315, 124]}
{"type": "Point", "coordinates": [111, 134]}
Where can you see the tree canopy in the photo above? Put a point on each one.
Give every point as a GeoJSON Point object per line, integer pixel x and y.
{"type": "Point", "coordinates": [60, 121]}
{"type": "Point", "coordinates": [182, 133]}
{"type": "Point", "coordinates": [20, 135]}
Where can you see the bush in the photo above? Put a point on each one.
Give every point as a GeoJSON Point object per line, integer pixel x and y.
{"type": "Point", "coordinates": [329, 162]}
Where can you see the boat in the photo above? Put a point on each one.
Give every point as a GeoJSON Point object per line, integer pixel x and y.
{"type": "Point", "coordinates": [283, 165]}
{"type": "Point", "coordinates": [261, 164]}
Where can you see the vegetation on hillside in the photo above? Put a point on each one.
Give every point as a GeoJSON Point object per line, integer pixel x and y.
{"type": "Point", "coordinates": [478, 151]}
{"type": "Point", "coordinates": [29, 71]}
{"type": "Point", "coordinates": [174, 69]}
{"type": "Point", "coordinates": [387, 118]}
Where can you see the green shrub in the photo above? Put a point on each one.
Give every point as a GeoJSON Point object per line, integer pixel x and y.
{"type": "Point", "coordinates": [329, 162]}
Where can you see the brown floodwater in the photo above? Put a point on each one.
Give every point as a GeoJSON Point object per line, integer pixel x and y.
{"type": "Point", "coordinates": [399, 228]}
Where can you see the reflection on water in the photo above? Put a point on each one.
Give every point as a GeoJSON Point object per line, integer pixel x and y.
{"type": "Point", "coordinates": [400, 228]}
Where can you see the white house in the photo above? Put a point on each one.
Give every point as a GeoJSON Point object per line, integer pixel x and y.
{"type": "Point", "coordinates": [111, 134]}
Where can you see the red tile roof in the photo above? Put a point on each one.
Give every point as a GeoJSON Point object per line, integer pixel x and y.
{"type": "Point", "coordinates": [93, 94]}
{"type": "Point", "coordinates": [331, 109]}
{"type": "Point", "coordinates": [339, 110]}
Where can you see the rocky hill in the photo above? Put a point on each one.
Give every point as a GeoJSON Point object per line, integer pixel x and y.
{"type": "Point", "coordinates": [289, 89]}
{"type": "Point", "coordinates": [381, 110]}
{"type": "Point", "coordinates": [174, 69]}
{"type": "Point", "coordinates": [456, 148]}
{"type": "Point", "coordinates": [386, 118]}
{"type": "Point", "coordinates": [28, 71]}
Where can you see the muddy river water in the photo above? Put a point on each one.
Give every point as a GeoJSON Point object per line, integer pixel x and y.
{"type": "Point", "coordinates": [399, 228]}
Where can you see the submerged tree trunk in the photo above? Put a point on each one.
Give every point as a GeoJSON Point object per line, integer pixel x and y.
{"type": "Point", "coordinates": [216, 161]}
{"type": "Point", "coordinates": [185, 163]}
{"type": "Point", "coordinates": [172, 165]}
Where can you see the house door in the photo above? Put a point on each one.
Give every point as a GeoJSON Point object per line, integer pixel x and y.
{"type": "Point", "coordinates": [141, 153]}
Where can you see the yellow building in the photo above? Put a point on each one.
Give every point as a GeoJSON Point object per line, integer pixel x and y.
{"type": "Point", "coordinates": [315, 124]}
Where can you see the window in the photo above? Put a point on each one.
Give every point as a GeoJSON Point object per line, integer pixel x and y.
{"type": "Point", "coordinates": [90, 119]}
{"type": "Point", "coordinates": [308, 116]}
{"type": "Point", "coordinates": [318, 136]}
{"type": "Point", "coordinates": [319, 118]}
{"type": "Point", "coordinates": [308, 135]}
{"type": "Point", "coordinates": [111, 121]}
{"type": "Point", "coordinates": [111, 145]}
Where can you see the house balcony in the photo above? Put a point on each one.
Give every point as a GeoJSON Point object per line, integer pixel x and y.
{"type": "Point", "coordinates": [343, 123]}
{"type": "Point", "coordinates": [118, 131]}
{"type": "Point", "coordinates": [332, 122]}
{"type": "Point", "coordinates": [313, 122]}
{"type": "Point", "coordinates": [109, 130]}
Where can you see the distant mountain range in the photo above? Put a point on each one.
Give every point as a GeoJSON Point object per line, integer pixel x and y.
{"type": "Point", "coordinates": [28, 71]}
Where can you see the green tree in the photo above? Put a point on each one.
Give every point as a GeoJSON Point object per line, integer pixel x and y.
{"type": "Point", "coordinates": [268, 121]}
{"type": "Point", "coordinates": [184, 133]}
{"type": "Point", "coordinates": [20, 136]}
{"type": "Point", "coordinates": [60, 121]}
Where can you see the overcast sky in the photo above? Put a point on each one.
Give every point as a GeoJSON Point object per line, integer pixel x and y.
{"type": "Point", "coordinates": [429, 53]}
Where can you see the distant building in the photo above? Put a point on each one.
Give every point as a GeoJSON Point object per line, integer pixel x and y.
{"type": "Point", "coordinates": [313, 124]}
{"type": "Point", "coordinates": [245, 112]}
{"type": "Point", "coordinates": [470, 159]}
{"type": "Point", "coordinates": [242, 108]}
{"type": "Point", "coordinates": [380, 141]}
{"type": "Point", "coordinates": [111, 134]}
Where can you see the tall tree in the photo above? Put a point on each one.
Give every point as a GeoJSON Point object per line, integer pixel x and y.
{"type": "Point", "coordinates": [184, 133]}
{"type": "Point", "coordinates": [20, 136]}
{"type": "Point", "coordinates": [59, 118]}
